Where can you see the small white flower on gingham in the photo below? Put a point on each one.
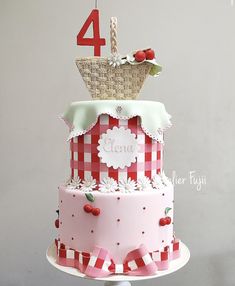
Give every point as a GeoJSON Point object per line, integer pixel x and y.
{"type": "Point", "coordinates": [127, 185]}
{"type": "Point", "coordinates": [144, 184]}
{"type": "Point", "coordinates": [108, 185]}
{"type": "Point", "coordinates": [88, 185]}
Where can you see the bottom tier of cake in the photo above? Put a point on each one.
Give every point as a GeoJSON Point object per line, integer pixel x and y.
{"type": "Point", "coordinates": [116, 227]}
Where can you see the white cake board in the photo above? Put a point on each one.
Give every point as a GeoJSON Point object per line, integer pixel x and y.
{"type": "Point", "coordinates": [121, 280]}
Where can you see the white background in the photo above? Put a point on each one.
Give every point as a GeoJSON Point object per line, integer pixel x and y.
{"type": "Point", "coordinates": [195, 44]}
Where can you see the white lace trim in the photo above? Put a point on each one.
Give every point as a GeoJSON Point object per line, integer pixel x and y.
{"type": "Point", "coordinates": [158, 137]}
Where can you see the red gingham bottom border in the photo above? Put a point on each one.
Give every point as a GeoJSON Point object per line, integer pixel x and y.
{"type": "Point", "coordinates": [77, 259]}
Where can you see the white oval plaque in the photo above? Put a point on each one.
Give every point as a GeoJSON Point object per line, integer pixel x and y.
{"type": "Point", "coordinates": [118, 148]}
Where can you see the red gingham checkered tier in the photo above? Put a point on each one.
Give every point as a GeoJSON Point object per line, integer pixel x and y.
{"type": "Point", "coordinates": [86, 163]}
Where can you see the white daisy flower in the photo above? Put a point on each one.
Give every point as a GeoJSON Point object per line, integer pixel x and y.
{"type": "Point", "coordinates": [74, 183]}
{"type": "Point", "coordinates": [88, 185]}
{"type": "Point", "coordinates": [127, 185]}
{"type": "Point", "coordinates": [108, 185]}
{"type": "Point", "coordinates": [144, 184]}
{"type": "Point", "coordinates": [157, 182]}
{"type": "Point", "coordinates": [116, 60]}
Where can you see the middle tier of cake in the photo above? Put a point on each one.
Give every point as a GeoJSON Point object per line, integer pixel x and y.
{"type": "Point", "coordinates": [86, 163]}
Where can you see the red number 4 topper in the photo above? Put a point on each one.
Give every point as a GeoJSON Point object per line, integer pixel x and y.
{"type": "Point", "coordinates": [96, 41]}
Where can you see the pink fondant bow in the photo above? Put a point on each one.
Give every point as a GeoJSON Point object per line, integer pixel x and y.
{"type": "Point", "coordinates": [137, 262]}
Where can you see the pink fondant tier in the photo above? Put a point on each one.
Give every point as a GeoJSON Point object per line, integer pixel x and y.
{"type": "Point", "coordinates": [125, 221]}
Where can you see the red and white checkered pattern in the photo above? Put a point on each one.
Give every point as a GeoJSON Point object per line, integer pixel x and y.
{"type": "Point", "coordinates": [86, 163]}
{"type": "Point", "coordinates": [71, 258]}
{"type": "Point", "coordinates": [99, 263]}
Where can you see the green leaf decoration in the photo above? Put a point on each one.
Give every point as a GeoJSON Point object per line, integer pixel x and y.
{"type": "Point", "coordinates": [90, 197]}
{"type": "Point", "coordinates": [155, 70]}
{"type": "Point", "coordinates": [167, 210]}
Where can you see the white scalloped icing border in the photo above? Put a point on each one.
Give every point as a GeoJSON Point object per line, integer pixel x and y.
{"type": "Point", "coordinates": [158, 137]}
{"type": "Point", "coordinates": [110, 162]}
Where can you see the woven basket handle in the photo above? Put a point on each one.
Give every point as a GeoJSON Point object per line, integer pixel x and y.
{"type": "Point", "coordinates": [113, 35]}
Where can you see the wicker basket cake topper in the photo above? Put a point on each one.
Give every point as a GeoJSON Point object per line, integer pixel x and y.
{"type": "Point", "coordinates": [114, 77]}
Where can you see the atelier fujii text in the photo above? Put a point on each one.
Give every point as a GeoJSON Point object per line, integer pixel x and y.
{"type": "Point", "coordinates": [193, 178]}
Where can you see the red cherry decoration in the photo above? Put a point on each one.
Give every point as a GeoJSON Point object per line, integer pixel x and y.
{"type": "Point", "coordinates": [140, 56]}
{"type": "Point", "coordinates": [57, 223]}
{"type": "Point", "coordinates": [88, 208]}
{"type": "Point", "coordinates": [168, 220]}
{"type": "Point", "coordinates": [150, 54]}
{"type": "Point", "coordinates": [96, 211]}
{"type": "Point", "coordinates": [162, 222]}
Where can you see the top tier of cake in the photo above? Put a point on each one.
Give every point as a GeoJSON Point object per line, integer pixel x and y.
{"type": "Point", "coordinates": [116, 139]}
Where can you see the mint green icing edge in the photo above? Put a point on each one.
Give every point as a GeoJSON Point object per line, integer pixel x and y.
{"type": "Point", "coordinates": [82, 116]}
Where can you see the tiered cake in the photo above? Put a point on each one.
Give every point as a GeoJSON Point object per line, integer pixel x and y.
{"type": "Point", "coordinates": [116, 211]}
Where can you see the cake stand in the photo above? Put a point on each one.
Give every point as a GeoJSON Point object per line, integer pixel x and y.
{"type": "Point", "coordinates": [121, 280]}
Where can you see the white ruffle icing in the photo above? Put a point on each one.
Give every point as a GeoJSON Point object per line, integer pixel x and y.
{"type": "Point", "coordinates": [82, 116]}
